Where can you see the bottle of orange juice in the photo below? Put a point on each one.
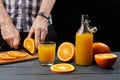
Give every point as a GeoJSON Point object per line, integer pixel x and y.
{"type": "Point", "coordinates": [84, 43]}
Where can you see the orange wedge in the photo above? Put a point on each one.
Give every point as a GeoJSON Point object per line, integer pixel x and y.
{"type": "Point", "coordinates": [5, 56]}
{"type": "Point", "coordinates": [62, 68]}
{"type": "Point", "coordinates": [29, 44]}
{"type": "Point", "coordinates": [17, 54]}
{"type": "Point", "coordinates": [66, 51]}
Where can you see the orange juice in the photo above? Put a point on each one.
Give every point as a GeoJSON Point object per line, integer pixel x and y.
{"type": "Point", "coordinates": [46, 52]}
{"type": "Point", "coordinates": [84, 49]}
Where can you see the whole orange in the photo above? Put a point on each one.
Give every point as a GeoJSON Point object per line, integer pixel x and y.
{"type": "Point", "coordinates": [100, 47]}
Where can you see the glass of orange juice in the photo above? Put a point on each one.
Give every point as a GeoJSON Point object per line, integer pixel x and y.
{"type": "Point", "coordinates": [46, 52]}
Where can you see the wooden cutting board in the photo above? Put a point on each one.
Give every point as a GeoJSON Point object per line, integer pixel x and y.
{"type": "Point", "coordinates": [27, 58]}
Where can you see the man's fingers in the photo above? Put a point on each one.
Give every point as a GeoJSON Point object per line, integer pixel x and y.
{"type": "Point", "coordinates": [31, 33]}
{"type": "Point", "coordinates": [16, 43]}
{"type": "Point", "coordinates": [11, 42]}
{"type": "Point", "coordinates": [37, 37]}
{"type": "Point", "coordinates": [43, 35]}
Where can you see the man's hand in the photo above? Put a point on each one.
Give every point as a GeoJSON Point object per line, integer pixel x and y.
{"type": "Point", "coordinates": [10, 34]}
{"type": "Point", "coordinates": [39, 29]}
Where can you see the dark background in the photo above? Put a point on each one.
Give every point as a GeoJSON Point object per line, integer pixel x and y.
{"type": "Point", "coordinates": [104, 14]}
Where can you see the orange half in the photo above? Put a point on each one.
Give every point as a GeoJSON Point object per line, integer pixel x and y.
{"type": "Point", "coordinates": [105, 60]}
{"type": "Point", "coordinates": [62, 68]}
{"type": "Point", "coordinates": [17, 54]}
{"type": "Point", "coordinates": [5, 56]}
{"type": "Point", "coordinates": [66, 51]}
{"type": "Point", "coordinates": [29, 44]}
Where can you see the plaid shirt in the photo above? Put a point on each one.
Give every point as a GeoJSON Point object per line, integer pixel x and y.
{"type": "Point", "coordinates": [22, 12]}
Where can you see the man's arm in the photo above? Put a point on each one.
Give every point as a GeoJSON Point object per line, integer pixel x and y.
{"type": "Point", "coordinates": [40, 25]}
{"type": "Point", "coordinates": [4, 17]}
{"type": "Point", "coordinates": [9, 32]}
{"type": "Point", "coordinates": [46, 6]}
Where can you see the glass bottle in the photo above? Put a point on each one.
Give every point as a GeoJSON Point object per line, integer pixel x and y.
{"type": "Point", "coordinates": [84, 43]}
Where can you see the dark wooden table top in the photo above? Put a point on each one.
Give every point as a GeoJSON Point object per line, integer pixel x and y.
{"type": "Point", "coordinates": [32, 70]}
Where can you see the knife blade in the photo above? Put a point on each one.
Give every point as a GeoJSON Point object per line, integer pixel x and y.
{"type": "Point", "coordinates": [24, 49]}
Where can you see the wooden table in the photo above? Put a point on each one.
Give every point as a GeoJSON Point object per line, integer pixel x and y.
{"type": "Point", "coordinates": [32, 70]}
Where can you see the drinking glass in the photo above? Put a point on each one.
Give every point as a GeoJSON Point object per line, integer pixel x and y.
{"type": "Point", "coordinates": [46, 52]}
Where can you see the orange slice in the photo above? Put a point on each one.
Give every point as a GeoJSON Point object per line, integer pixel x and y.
{"type": "Point", "coordinates": [29, 44]}
{"type": "Point", "coordinates": [17, 54]}
{"type": "Point", "coordinates": [5, 56]}
{"type": "Point", "coordinates": [66, 51]}
{"type": "Point", "coordinates": [62, 68]}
